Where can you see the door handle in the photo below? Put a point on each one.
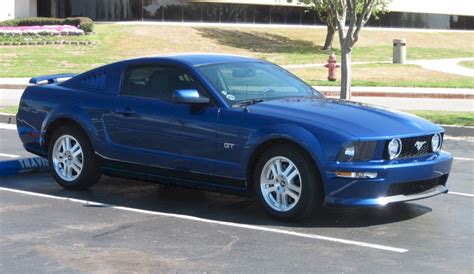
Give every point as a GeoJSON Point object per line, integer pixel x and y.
{"type": "Point", "coordinates": [125, 111]}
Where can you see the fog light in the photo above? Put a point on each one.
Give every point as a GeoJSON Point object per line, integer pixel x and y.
{"type": "Point", "coordinates": [358, 175]}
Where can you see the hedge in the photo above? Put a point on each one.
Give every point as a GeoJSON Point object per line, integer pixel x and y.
{"type": "Point", "coordinates": [84, 23]}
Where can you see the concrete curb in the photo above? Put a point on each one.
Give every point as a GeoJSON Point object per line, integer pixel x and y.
{"type": "Point", "coordinates": [12, 86]}
{"type": "Point", "coordinates": [7, 118]}
{"type": "Point", "coordinates": [402, 95]}
{"type": "Point", "coordinates": [458, 131]}
{"type": "Point", "coordinates": [24, 165]}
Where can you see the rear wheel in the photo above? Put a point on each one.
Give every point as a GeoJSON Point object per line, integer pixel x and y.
{"type": "Point", "coordinates": [71, 159]}
{"type": "Point", "coordinates": [287, 183]}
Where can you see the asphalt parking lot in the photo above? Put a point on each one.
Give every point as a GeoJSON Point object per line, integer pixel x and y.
{"type": "Point", "coordinates": [132, 226]}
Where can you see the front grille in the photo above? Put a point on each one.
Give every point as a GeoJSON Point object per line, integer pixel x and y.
{"type": "Point", "coordinates": [416, 187]}
{"type": "Point", "coordinates": [409, 148]}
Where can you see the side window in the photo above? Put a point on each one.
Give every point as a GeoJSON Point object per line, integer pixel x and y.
{"type": "Point", "coordinates": [157, 82]}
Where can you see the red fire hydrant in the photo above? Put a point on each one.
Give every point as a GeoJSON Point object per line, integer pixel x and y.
{"type": "Point", "coordinates": [331, 65]}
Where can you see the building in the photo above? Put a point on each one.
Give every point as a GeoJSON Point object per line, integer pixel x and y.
{"type": "Point", "coordinates": [430, 14]}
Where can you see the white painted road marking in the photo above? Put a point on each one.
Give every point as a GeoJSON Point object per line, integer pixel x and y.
{"type": "Point", "coordinates": [230, 224]}
{"type": "Point", "coordinates": [463, 159]}
{"type": "Point", "coordinates": [7, 126]}
{"type": "Point", "coordinates": [461, 194]}
{"type": "Point", "coordinates": [9, 155]}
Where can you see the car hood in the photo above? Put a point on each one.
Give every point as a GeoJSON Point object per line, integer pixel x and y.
{"type": "Point", "coordinates": [357, 119]}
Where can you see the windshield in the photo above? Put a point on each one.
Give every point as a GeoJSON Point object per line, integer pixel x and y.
{"type": "Point", "coordinates": [254, 81]}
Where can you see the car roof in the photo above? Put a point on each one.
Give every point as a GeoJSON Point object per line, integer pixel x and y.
{"type": "Point", "coordinates": [199, 59]}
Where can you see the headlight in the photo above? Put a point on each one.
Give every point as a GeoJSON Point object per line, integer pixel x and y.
{"type": "Point", "coordinates": [394, 148]}
{"type": "Point", "coordinates": [349, 152]}
{"type": "Point", "coordinates": [436, 142]}
{"type": "Point", "coordinates": [358, 151]}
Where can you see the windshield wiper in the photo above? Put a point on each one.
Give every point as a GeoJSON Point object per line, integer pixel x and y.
{"type": "Point", "coordinates": [245, 103]}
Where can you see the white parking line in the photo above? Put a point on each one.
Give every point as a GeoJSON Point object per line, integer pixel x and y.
{"type": "Point", "coordinates": [7, 126]}
{"type": "Point", "coordinates": [461, 194]}
{"type": "Point", "coordinates": [230, 224]}
{"type": "Point", "coordinates": [463, 159]}
{"type": "Point", "coordinates": [9, 155]}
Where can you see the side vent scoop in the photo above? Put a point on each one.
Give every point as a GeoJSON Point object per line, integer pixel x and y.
{"type": "Point", "coordinates": [49, 79]}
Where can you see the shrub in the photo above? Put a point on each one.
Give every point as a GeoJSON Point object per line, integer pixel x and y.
{"type": "Point", "coordinates": [84, 23]}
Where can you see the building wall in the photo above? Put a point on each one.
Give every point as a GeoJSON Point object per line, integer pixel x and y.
{"type": "Point", "coordinates": [25, 8]}
{"type": "Point", "coordinates": [7, 9]}
{"type": "Point", "coordinates": [452, 7]}
{"type": "Point", "coordinates": [432, 14]}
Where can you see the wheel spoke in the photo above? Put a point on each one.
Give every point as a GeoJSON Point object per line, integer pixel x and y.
{"type": "Point", "coordinates": [288, 169]}
{"type": "Point", "coordinates": [75, 148]}
{"type": "Point", "coordinates": [68, 143]}
{"type": "Point", "coordinates": [77, 153]}
{"type": "Point", "coordinates": [294, 188]}
{"type": "Point", "coordinates": [77, 163]}
{"type": "Point", "coordinates": [68, 171]}
{"type": "Point", "coordinates": [76, 168]}
{"type": "Point", "coordinates": [63, 170]}
{"type": "Point", "coordinates": [291, 176]}
{"type": "Point", "coordinates": [63, 145]}
{"type": "Point", "coordinates": [284, 199]}
{"type": "Point", "coordinates": [270, 185]}
{"type": "Point", "coordinates": [278, 199]}
{"type": "Point", "coordinates": [292, 195]}
{"type": "Point", "coordinates": [277, 165]}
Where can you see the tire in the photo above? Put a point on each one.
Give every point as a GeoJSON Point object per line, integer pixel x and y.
{"type": "Point", "coordinates": [75, 167]}
{"type": "Point", "coordinates": [279, 194]}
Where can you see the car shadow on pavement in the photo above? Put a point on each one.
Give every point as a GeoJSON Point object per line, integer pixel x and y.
{"type": "Point", "coordinates": [210, 205]}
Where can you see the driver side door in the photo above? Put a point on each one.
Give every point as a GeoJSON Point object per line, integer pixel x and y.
{"type": "Point", "coordinates": [147, 128]}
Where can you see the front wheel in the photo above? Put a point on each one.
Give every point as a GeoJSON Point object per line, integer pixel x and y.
{"type": "Point", "coordinates": [72, 160]}
{"type": "Point", "coordinates": [287, 183]}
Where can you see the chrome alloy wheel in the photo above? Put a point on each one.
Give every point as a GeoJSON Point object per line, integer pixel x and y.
{"type": "Point", "coordinates": [280, 184]}
{"type": "Point", "coordinates": [68, 158]}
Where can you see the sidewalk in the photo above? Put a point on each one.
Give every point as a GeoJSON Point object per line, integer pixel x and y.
{"type": "Point", "coordinates": [402, 92]}
{"type": "Point", "coordinates": [14, 83]}
{"type": "Point", "coordinates": [446, 65]}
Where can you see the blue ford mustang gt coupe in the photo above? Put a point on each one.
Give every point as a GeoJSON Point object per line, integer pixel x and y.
{"type": "Point", "coordinates": [229, 123]}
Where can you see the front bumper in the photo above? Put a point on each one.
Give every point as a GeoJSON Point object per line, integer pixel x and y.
{"type": "Point", "coordinates": [397, 180]}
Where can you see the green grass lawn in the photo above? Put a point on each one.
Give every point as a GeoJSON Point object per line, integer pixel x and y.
{"type": "Point", "coordinates": [9, 110]}
{"type": "Point", "coordinates": [446, 117]}
{"type": "Point", "coordinates": [467, 64]}
{"type": "Point", "coordinates": [283, 46]}
{"type": "Point", "coordinates": [391, 75]}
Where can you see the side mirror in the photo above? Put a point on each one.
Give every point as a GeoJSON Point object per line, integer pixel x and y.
{"type": "Point", "coordinates": [189, 96]}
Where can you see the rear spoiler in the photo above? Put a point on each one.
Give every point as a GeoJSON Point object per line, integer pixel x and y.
{"type": "Point", "coordinates": [49, 79]}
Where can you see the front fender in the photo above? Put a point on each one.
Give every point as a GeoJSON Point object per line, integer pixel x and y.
{"type": "Point", "coordinates": [290, 132]}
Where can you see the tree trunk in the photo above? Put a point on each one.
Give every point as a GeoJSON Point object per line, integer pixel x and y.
{"type": "Point", "coordinates": [329, 37]}
{"type": "Point", "coordinates": [346, 73]}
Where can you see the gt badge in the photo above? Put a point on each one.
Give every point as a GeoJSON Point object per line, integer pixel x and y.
{"type": "Point", "coordinates": [228, 146]}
